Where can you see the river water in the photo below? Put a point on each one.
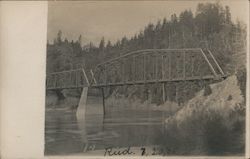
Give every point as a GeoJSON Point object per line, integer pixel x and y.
{"type": "Point", "coordinates": [67, 135]}
{"type": "Point", "coordinates": [123, 127]}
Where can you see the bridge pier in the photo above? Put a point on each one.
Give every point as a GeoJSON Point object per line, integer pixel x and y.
{"type": "Point", "coordinates": [82, 105]}
{"type": "Point", "coordinates": [103, 101]}
{"type": "Point", "coordinates": [81, 109]}
{"type": "Point", "coordinates": [163, 93]}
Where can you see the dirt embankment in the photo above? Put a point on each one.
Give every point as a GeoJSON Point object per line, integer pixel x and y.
{"type": "Point", "coordinates": [212, 123]}
{"type": "Point", "coordinates": [225, 97]}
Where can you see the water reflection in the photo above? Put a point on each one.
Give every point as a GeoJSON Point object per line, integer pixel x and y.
{"type": "Point", "coordinates": [67, 135]}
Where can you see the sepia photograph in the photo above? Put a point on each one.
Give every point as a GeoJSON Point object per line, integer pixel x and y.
{"type": "Point", "coordinates": [146, 78]}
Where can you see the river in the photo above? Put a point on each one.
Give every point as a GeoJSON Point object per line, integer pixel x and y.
{"type": "Point", "coordinates": [123, 127]}
{"type": "Point", "coordinates": [67, 135]}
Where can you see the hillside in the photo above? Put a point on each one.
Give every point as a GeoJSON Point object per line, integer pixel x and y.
{"type": "Point", "coordinates": [212, 123]}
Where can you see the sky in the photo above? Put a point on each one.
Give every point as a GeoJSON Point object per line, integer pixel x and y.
{"type": "Point", "coordinates": [115, 19]}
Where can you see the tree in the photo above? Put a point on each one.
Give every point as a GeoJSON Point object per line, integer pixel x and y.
{"type": "Point", "coordinates": [158, 35]}
{"type": "Point", "coordinates": [186, 25]}
{"type": "Point", "coordinates": [102, 44]}
{"type": "Point", "coordinates": [228, 15]}
{"type": "Point", "coordinates": [164, 22]}
{"type": "Point", "coordinates": [186, 19]}
{"type": "Point", "coordinates": [149, 36]}
{"type": "Point", "coordinates": [209, 18]}
{"type": "Point", "coordinates": [91, 46]}
{"type": "Point", "coordinates": [124, 42]}
{"type": "Point", "coordinates": [109, 45]}
{"type": "Point", "coordinates": [59, 37]}
{"type": "Point", "coordinates": [66, 41]}
{"type": "Point", "coordinates": [80, 40]}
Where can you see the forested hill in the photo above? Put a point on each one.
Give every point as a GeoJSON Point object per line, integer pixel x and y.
{"type": "Point", "coordinates": [209, 27]}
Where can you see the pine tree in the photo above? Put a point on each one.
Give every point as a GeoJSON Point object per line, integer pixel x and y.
{"type": "Point", "coordinates": [59, 37]}
{"type": "Point", "coordinates": [228, 15]}
{"type": "Point", "coordinates": [109, 45]}
{"type": "Point", "coordinates": [80, 40]}
{"type": "Point", "coordinates": [102, 44]}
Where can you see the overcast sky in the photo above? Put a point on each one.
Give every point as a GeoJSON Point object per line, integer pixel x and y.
{"type": "Point", "coordinates": [114, 19]}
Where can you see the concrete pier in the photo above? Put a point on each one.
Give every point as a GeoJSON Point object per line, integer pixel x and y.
{"type": "Point", "coordinates": [81, 109]}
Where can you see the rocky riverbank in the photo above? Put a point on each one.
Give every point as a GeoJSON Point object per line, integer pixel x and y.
{"type": "Point", "coordinates": [211, 123]}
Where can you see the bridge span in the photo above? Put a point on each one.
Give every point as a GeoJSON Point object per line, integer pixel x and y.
{"type": "Point", "coordinates": [141, 67]}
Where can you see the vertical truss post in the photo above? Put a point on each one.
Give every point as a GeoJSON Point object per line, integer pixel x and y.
{"type": "Point", "coordinates": [144, 67]}
{"type": "Point", "coordinates": [49, 82]}
{"type": "Point", "coordinates": [152, 69]}
{"type": "Point", "coordinates": [169, 66]}
{"type": "Point", "coordinates": [62, 80]}
{"type": "Point", "coordinates": [54, 81]}
{"type": "Point", "coordinates": [123, 70]}
{"type": "Point", "coordinates": [177, 66]}
{"type": "Point", "coordinates": [185, 91]}
{"type": "Point", "coordinates": [167, 92]}
{"type": "Point", "coordinates": [176, 93]}
{"type": "Point", "coordinates": [120, 70]}
{"type": "Point", "coordinates": [59, 81]}
{"type": "Point", "coordinates": [65, 79]}
{"type": "Point", "coordinates": [156, 67]}
{"type": "Point", "coordinates": [71, 78]}
{"type": "Point", "coordinates": [192, 65]}
{"type": "Point", "coordinates": [103, 101]}
{"type": "Point", "coordinates": [163, 92]}
{"type": "Point", "coordinates": [106, 75]}
{"type": "Point", "coordinates": [134, 70]}
{"type": "Point", "coordinates": [162, 68]}
{"type": "Point", "coordinates": [74, 78]}
{"type": "Point", "coordinates": [184, 65]}
{"type": "Point", "coordinates": [77, 78]}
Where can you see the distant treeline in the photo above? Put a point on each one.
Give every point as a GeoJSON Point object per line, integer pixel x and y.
{"type": "Point", "coordinates": [210, 27]}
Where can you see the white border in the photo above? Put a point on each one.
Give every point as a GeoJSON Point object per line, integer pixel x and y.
{"type": "Point", "coordinates": [23, 27]}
